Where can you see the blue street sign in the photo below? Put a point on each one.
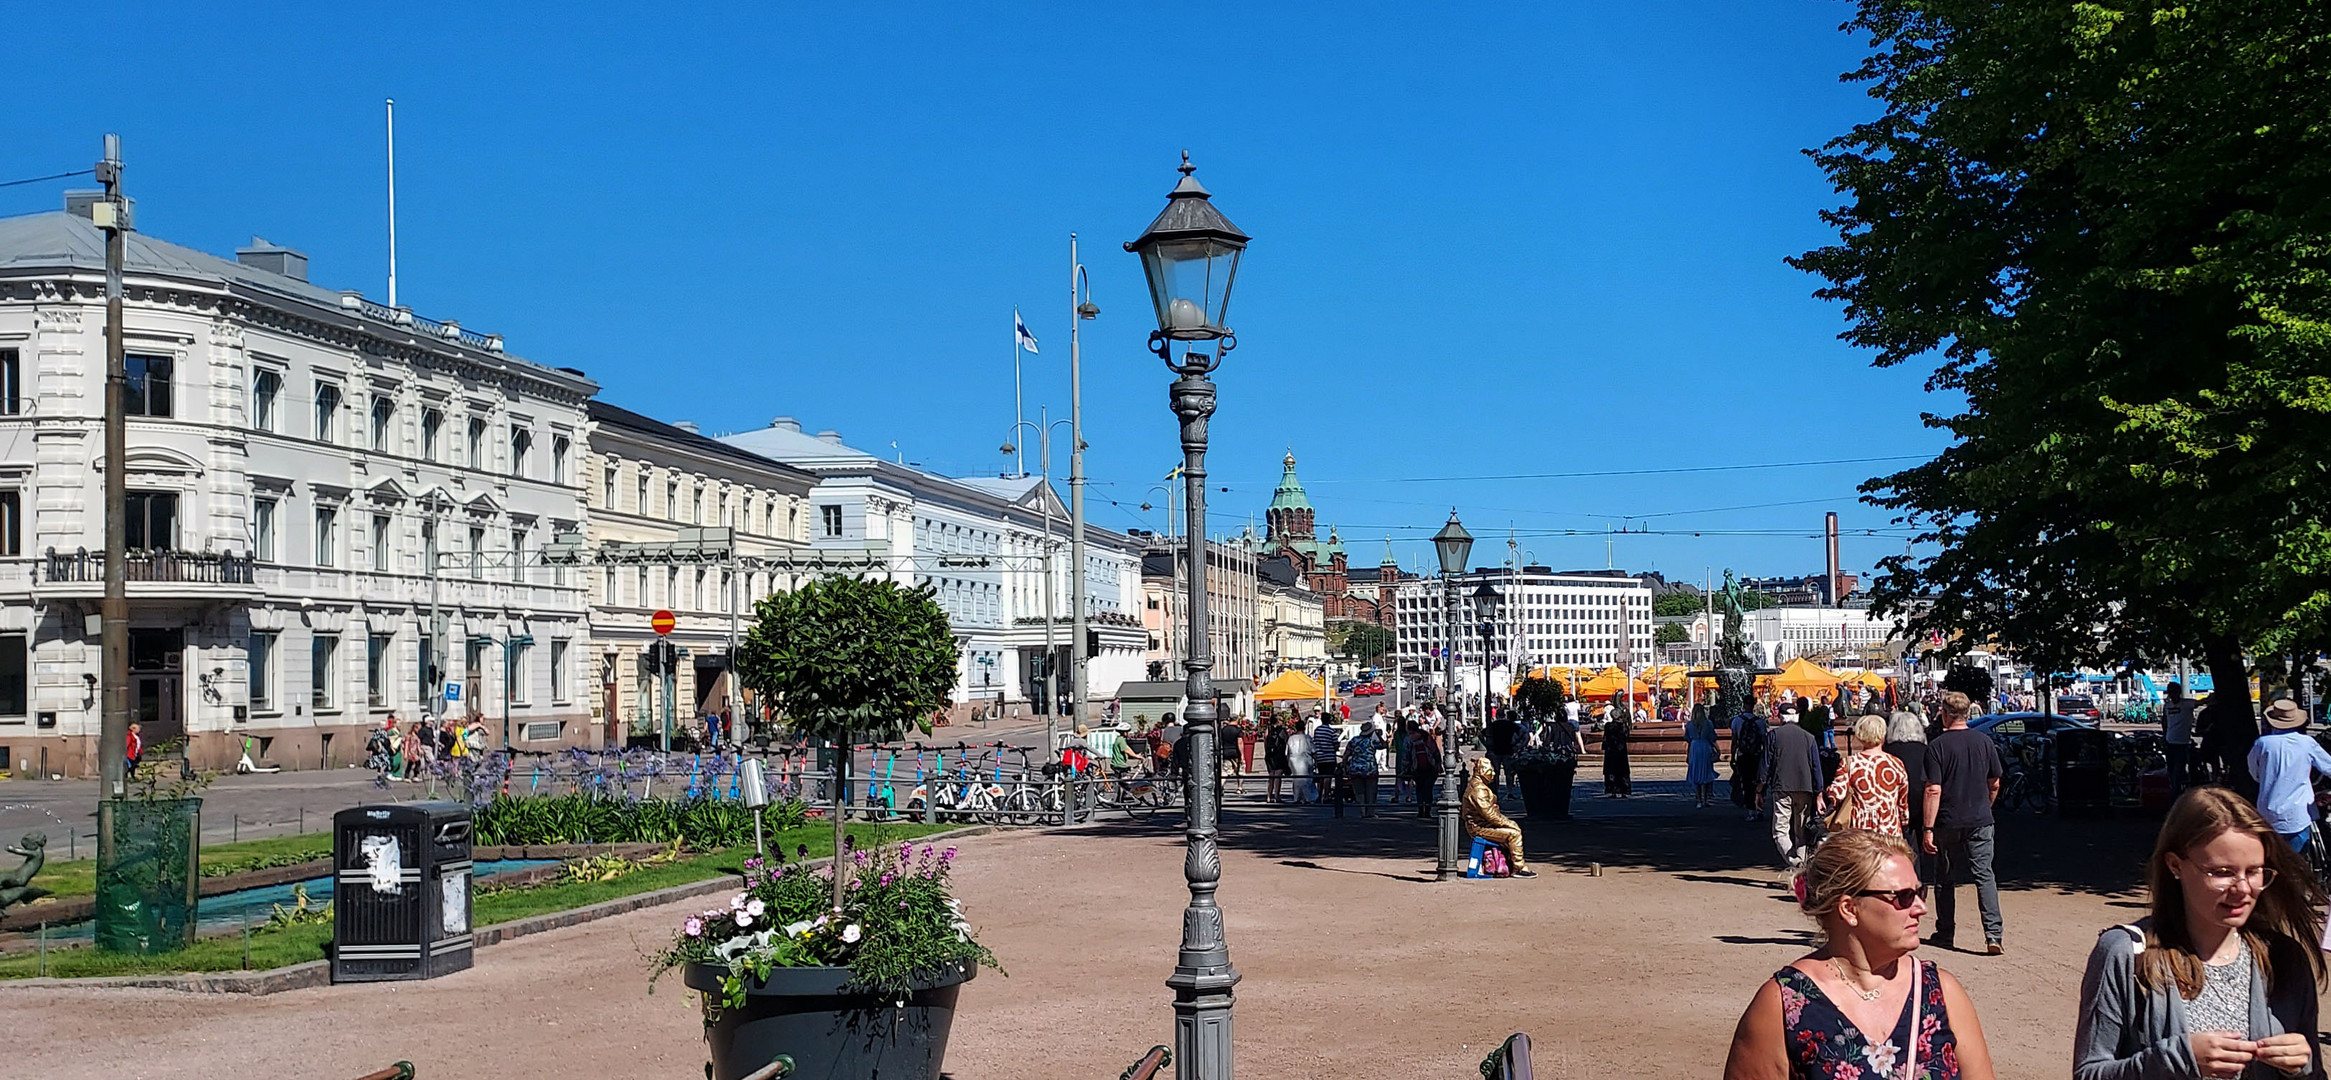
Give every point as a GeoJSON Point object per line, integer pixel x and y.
{"type": "Point", "coordinates": [453, 691]}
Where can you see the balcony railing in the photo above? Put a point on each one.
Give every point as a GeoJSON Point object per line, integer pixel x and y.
{"type": "Point", "coordinates": [192, 567]}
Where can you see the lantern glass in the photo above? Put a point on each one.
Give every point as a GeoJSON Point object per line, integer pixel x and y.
{"type": "Point", "coordinates": [1486, 600]}
{"type": "Point", "coordinates": [1454, 546]}
{"type": "Point", "coordinates": [1189, 283]}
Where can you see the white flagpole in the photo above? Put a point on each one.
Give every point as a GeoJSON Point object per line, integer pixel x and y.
{"type": "Point", "coordinates": [392, 200]}
{"type": "Point", "coordinates": [1021, 451]}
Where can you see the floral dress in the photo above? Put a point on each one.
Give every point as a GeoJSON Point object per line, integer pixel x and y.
{"type": "Point", "coordinates": [1824, 1045]}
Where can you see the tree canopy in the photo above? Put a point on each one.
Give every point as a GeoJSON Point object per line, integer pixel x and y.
{"type": "Point", "coordinates": [2105, 228]}
{"type": "Point", "coordinates": [1365, 642]}
{"type": "Point", "coordinates": [847, 657]}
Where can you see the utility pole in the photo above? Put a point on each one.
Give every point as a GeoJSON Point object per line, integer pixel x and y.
{"type": "Point", "coordinates": [736, 591]}
{"type": "Point", "coordinates": [113, 216]}
{"type": "Point", "coordinates": [1079, 310]}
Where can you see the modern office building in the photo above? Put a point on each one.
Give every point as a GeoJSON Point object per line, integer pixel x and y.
{"type": "Point", "coordinates": [1577, 618]}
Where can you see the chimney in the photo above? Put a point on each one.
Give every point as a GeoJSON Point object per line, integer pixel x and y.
{"type": "Point", "coordinates": [1829, 534]}
{"type": "Point", "coordinates": [829, 435]}
{"type": "Point", "coordinates": [262, 255]}
{"type": "Point", "coordinates": [688, 426]}
{"type": "Point", "coordinates": [786, 423]}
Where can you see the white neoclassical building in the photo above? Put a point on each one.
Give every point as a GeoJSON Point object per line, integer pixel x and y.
{"type": "Point", "coordinates": [324, 493]}
{"type": "Point", "coordinates": [981, 543]}
{"type": "Point", "coordinates": [691, 525]}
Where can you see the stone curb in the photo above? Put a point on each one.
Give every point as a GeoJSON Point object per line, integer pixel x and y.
{"type": "Point", "coordinates": [314, 973]}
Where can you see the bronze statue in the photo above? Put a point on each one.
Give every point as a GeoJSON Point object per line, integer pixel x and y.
{"type": "Point", "coordinates": [16, 885]}
{"type": "Point", "coordinates": [1483, 819]}
{"type": "Point", "coordinates": [1735, 683]}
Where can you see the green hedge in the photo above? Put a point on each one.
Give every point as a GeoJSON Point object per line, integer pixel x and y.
{"type": "Point", "coordinates": [700, 824]}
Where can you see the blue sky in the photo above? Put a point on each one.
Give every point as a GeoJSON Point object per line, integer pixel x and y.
{"type": "Point", "coordinates": [1543, 241]}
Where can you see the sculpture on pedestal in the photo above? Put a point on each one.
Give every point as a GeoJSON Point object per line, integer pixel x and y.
{"type": "Point", "coordinates": [1735, 678]}
{"type": "Point", "coordinates": [16, 885]}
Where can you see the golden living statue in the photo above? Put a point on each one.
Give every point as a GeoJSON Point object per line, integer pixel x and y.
{"type": "Point", "coordinates": [1483, 819]}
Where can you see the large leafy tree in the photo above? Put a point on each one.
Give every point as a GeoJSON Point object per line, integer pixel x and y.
{"type": "Point", "coordinates": [1365, 642]}
{"type": "Point", "coordinates": [845, 658]}
{"type": "Point", "coordinates": [2107, 228]}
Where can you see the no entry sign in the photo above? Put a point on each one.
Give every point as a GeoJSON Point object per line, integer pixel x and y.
{"type": "Point", "coordinates": [662, 622]}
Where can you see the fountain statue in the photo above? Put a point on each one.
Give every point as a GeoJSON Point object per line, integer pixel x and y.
{"type": "Point", "coordinates": [16, 885]}
{"type": "Point", "coordinates": [1735, 676]}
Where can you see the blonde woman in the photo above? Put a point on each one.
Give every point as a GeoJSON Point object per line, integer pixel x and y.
{"type": "Point", "coordinates": [1860, 1007]}
{"type": "Point", "coordinates": [1873, 779]}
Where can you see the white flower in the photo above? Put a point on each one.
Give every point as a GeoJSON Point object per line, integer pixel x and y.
{"type": "Point", "coordinates": [799, 928]}
{"type": "Point", "coordinates": [851, 934]}
{"type": "Point", "coordinates": [754, 908]}
{"type": "Point", "coordinates": [737, 902]}
{"type": "Point", "coordinates": [744, 919]}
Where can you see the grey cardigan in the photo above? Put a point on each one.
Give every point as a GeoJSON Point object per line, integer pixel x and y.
{"type": "Point", "coordinates": [2127, 1032]}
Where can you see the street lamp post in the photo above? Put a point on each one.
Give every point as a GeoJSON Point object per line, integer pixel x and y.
{"type": "Point", "coordinates": [1043, 429]}
{"type": "Point", "coordinates": [1454, 546]}
{"type": "Point", "coordinates": [1485, 604]}
{"type": "Point", "coordinates": [1190, 255]}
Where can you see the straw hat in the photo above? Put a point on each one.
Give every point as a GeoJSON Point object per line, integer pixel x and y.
{"type": "Point", "coordinates": [2283, 714]}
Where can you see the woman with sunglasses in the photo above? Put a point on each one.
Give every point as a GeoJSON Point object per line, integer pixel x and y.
{"type": "Point", "coordinates": [1860, 1007]}
{"type": "Point", "coordinates": [2220, 980]}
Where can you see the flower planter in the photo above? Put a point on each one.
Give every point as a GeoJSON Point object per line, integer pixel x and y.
{"type": "Point", "coordinates": [1546, 790]}
{"type": "Point", "coordinates": [831, 1032]}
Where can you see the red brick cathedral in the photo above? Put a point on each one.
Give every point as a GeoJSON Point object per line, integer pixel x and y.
{"type": "Point", "coordinates": [1290, 531]}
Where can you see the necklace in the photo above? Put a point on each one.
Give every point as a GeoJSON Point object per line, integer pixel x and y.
{"type": "Point", "coordinates": [1844, 976]}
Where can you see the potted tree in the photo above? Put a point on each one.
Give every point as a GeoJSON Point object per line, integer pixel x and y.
{"type": "Point", "coordinates": [1546, 768]}
{"type": "Point", "coordinates": [854, 972]}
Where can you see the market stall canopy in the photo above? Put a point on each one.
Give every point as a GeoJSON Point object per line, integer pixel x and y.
{"type": "Point", "coordinates": [1292, 686]}
{"type": "Point", "coordinates": [1870, 679]}
{"type": "Point", "coordinates": [1804, 677]}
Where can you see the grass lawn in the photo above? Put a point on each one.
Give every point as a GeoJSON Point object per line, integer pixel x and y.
{"type": "Point", "coordinates": [277, 948]}
{"type": "Point", "coordinates": [79, 878]}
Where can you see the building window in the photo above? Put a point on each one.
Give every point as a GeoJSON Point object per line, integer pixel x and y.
{"type": "Point", "coordinates": [641, 505]}
{"type": "Point", "coordinates": [323, 659]}
{"type": "Point", "coordinates": [518, 555]}
{"type": "Point", "coordinates": [384, 414]}
{"type": "Point", "coordinates": [431, 421]}
{"type": "Point", "coordinates": [11, 523]}
{"type": "Point", "coordinates": [327, 534]}
{"type": "Point", "coordinates": [672, 500]}
{"type": "Point", "coordinates": [15, 683]}
{"type": "Point", "coordinates": [380, 542]}
{"type": "Point", "coordinates": [477, 551]}
{"type": "Point", "coordinates": [642, 596]}
{"type": "Point", "coordinates": [558, 671]}
{"type": "Point", "coordinates": [266, 399]}
{"type": "Point", "coordinates": [558, 459]}
{"type": "Point", "coordinates": [696, 505]}
{"type": "Point", "coordinates": [148, 393]}
{"type": "Point", "coordinates": [429, 548]}
{"type": "Point", "coordinates": [11, 383]}
{"type": "Point", "coordinates": [521, 444]}
{"type": "Point", "coordinates": [152, 521]}
{"type": "Point", "coordinates": [607, 499]}
{"type": "Point", "coordinates": [520, 655]}
{"type": "Point", "coordinates": [607, 594]}
{"type": "Point", "coordinates": [260, 659]}
{"type": "Point", "coordinates": [477, 443]}
{"type": "Point", "coordinates": [833, 520]}
{"type": "Point", "coordinates": [263, 529]}
{"type": "Point", "coordinates": [376, 662]}
{"type": "Point", "coordinates": [327, 410]}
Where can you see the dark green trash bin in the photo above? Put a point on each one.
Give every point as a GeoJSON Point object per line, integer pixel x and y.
{"type": "Point", "coordinates": [147, 853]}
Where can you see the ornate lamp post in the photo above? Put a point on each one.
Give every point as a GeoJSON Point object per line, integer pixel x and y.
{"type": "Point", "coordinates": [1454, 546]}
{"type": "Point", "coordinates": [1190, 255]}
{"type": "Point", "coordinates": [1485, 604]}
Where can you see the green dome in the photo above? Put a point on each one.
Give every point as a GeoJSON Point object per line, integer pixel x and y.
{"type": "Point", "coordinates": [1289, 495]}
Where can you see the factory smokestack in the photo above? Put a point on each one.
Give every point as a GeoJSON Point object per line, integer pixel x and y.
{"type": "Point", "coordinates": [1829, 535]}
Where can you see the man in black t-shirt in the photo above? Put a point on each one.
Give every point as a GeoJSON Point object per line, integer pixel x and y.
{"type": "Point", "coordinates": [1962, 780]}
{"type": "Point", "coordinates": [1501, 739]}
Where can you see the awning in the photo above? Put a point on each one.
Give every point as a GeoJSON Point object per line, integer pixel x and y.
{"type": "Point", "coordinates": [1802, 676]}
{"type": "Point", "coordinates": [1292, 686]}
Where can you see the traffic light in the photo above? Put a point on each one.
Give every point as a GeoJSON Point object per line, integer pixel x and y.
{"type": "Point", "coordinates": [1092, 643]}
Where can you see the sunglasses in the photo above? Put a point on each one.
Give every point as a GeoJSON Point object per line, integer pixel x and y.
{"type": "Point", "coordinates": [1901, 899]}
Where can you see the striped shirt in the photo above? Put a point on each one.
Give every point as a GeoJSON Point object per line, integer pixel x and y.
{"type": "Point", "coordinates": [1323, 747]}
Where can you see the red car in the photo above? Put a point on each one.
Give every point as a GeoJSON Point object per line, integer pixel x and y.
{"type": "Point", "coordinates": [1367, 689]}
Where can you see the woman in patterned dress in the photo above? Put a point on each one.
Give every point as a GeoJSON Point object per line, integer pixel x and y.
{"type": "Point", "coordinates": [1861, 1007]}
{"type": "Point", "coordinates": [1879, 786]}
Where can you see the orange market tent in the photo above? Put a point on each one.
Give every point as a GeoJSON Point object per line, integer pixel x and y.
{"type": "Point", "coordinates": [1569, 677]}
{"type": "Point", "coordinates": [1292, 686]}
{"type": "Point", "coordinates": [1664, 677]}
{"type": "Point", "coordinates": [1610, 684]}
{"type": "Point", "coordinates": [1804, 677]}
{"type": "Point", "coordinates": [1870, 679]}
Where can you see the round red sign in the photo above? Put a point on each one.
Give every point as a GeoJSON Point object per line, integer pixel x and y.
{"type": "Point", "coordinates": [662, 622]}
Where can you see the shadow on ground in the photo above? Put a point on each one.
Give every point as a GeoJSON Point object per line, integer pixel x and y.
{"type": "Point", "coordinates": [2100, 856]}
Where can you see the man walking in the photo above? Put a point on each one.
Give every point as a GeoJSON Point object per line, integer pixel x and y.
{"type": "Point", "coordinates": [1501, 739]}
{"type": "Point", "coordinates": [1324, 742]}
{"type": "Point", "coordinates": [1792, 781]}
{"type": "Point", "coordinates": [2177, 731]}
{"type": "Point", "coordinates": [2285, 761]}
{"type": "Point", "coordinates": [1962, 779]}
{"type": "Point", "coordinates": [1747, 759]}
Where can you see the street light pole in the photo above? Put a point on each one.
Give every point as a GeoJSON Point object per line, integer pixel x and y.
{"type": "Point", "coordinates": [112, 215]}
{"type": "Point", "coordinates": [1454, 546]}
{"type": "Point", "coordinates": [1081, 308]}
{"type": "Point", "coordinates": [1190, 255]}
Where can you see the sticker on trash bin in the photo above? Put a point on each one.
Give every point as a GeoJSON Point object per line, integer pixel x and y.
{"type": "Point", "coordinates": [455, 915]}
{"type": "Point", "coordinates": [383, 863]}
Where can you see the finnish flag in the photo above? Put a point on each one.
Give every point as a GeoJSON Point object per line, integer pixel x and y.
{"type": "Point", "coordinates": [1020, 332]}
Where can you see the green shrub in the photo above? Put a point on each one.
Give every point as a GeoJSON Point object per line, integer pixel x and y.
{"type": "Point", "coordinates": [698, 824]}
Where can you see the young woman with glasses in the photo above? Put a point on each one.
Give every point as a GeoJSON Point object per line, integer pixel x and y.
{"type": "Point", "coordinates": [2220, 980]}
{"type": "Point", "coordinates": [1860, 1007]}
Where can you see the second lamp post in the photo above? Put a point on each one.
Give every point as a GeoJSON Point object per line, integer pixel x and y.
{"type": "Point", "coordinates": [1454, 546]}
